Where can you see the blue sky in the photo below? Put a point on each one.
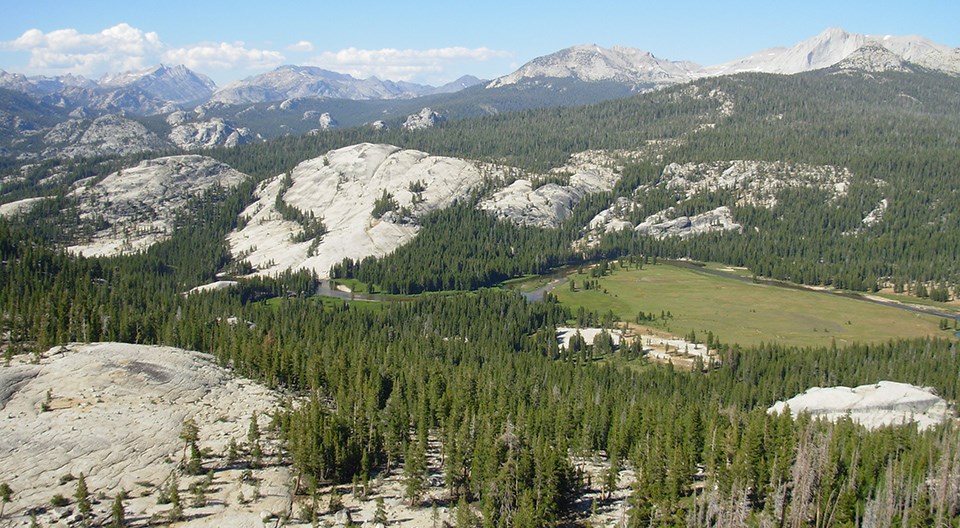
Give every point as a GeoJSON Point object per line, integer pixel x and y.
{"type": "Point", "coordinates": [424, 41]}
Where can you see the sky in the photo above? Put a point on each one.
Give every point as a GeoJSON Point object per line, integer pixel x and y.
{"type": "Point", "coordinates": [428, 41]}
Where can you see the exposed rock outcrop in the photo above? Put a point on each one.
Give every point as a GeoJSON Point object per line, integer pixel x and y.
{"type": "Point", "coordinates": [718, 219]}
{"type": "Point", "coordinates": [550, 204]}
{"type": "Point", "coordinates": [327, 122]}
{"type": "Point", "coordinates": [878, 405]}
{"type": "Point", "coordinates": [426, 118]}
{"type": "Point", "coordinates": [755, 182]}
{"type": "Point", "coordinates": [875, 216]}
{"type": "Point", "coordinates": [213, 133]}
{"type": "Point", "coordinates": [137, 206]}
{"type": "Point", "coordinates": [544, 206]}
{"type": "Point", "coordinates": [873, 58]}
{"type": "Point", "coordinates": [341, 188]}
{"type": "Point", "coordinates": [114, 413]}
{"type": "Point", "coordinates": [106, 135]}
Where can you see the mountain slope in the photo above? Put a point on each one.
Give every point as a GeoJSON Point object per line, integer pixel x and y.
{"type": "Point", "coordinates": [22, 117]}
{"type": "Point", "coordinates": [110, 134]}
{"type": "Point", "coordinates": [461, 83]}
{"type": "Point", "coordinates": [642, 70]}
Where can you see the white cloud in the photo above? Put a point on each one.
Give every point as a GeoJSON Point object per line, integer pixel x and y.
{"type": "Point", "coordinates": [302, 46]}
{"type": "Point", "coordinates": [401, 64]}
{"type": "Point", "coordinates": [121, 47]}
{"type": "Point", "coordinates": [223, 56]}
{"type": "Point", "coordinates": [124, 47]}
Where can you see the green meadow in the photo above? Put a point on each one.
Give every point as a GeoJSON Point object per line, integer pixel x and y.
{"type": "Point", "coordinates": [741, 312]}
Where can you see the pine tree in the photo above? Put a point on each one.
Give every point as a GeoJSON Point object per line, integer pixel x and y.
{"type": "Point", "coordinates": [466, 518]}
{"type": "Point", "coordinates": [336, 503]}
{"type": "Point", "coordinates": [380, 516]}
{"type": "Point", "coordinates": [195, 464]}
{"type": "Point", "coordinates": [232, 451]}
{"type": "Point", "coordinates": [434, 515]}
{"type": "Point", "coordinates": [611, 476]}
{"type": "Point", "coordinates": [253, 439]}
{"type": "Point", "coordinates": [176, 508]}
{"type": "Point", "coordinates": [117, 515]}
{"type": "Point", "coordinates": [83, 497]}
{"type": "Point", "coordinates": [253, 432]}
{"type": "Point", "coordinates": [190, 434]}
{"type": "Point", "coordinates": [6, 494]}
{"type": "Point", "coordinates": [414, 469]}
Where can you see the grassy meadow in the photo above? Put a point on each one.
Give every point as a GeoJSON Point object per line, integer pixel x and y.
{"type": "Point", "coordinates": [742, 312]}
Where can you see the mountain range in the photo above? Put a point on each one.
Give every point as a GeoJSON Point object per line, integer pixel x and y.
{"type": "Point", "coordinates": [288, 82]}
{"type": "Point", "coordinates": [834, 45]}
{"type": "Point", "coordinates": [591, 63]}
{"type": "Point", "coordinates": [163, 89]}
{"type": "Point", "coordinates": [155, 90]}
{"type": "Point", "coordinates": [304, 99]}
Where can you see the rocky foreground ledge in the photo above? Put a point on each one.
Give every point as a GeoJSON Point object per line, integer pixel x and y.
{"type": "Point", "coordinates": [114, 412]}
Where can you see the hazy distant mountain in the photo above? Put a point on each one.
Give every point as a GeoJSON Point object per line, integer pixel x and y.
{"type": "Point", "coordinates": [159, 89]}
{"type": "Point", "coordinates": [591, 63]}
{"type": "Point", "coordinates": [462, 83]}
{"type": "Point", "coordinates": [834, 45]}
{"type": "Point", "coordinates": [41, 85]}
{"type": "Point", "coordinates": [288, 82]}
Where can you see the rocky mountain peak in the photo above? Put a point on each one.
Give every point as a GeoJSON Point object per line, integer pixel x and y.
{"type": "Point", "coordinates": [873, 57]}
{"type": "Point", "coordinates": [590, 62]}
{"type": "Point", "coordinates": [833, 45]}
{"type": "Point", "coordinates": [291, 81]}
{"type": "Point", "coordinates": [176, 84]}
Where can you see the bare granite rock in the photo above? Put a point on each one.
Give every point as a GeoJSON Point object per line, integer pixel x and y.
{"type": "Point", "coordinates": [426, 118]}
{"type": "Point", "coordinates": [114, 412]}
{"type": "Point", "coordinates": [878, 405]}
{"type": "Point", "coordinates": [212, 133]}
{"type": "Point", "coordinates": [138, 205]}
{"type": "Point", "coordinates": [550, 204]}
{"type": "Point", "coordinates": [719, 219]}
{"type": "Point", "coordinates": [341, 188]}
{"type": "Point", "coordinates": [756, 182]}
{"type": "Point", "coordinates": [109, 134]}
